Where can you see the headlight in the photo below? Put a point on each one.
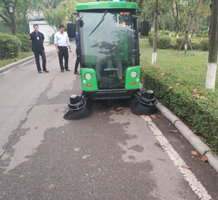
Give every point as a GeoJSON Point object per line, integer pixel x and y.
{"type": "Point", "coordinates": [88, 76]}
{"type": "Point", "coordinates": [133, 74]}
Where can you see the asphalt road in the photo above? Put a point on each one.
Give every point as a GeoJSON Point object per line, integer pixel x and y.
{"type": "Point", "coordinates": [112, 156]}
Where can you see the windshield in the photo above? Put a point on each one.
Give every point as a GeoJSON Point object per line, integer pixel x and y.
{"type": "Point", "coordinates": [111, 47]}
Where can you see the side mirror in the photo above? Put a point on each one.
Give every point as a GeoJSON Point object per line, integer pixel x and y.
{"type": "Point", "coordinates": [71, 29]}
{"type": "Point", "coordinates": [145, 27]}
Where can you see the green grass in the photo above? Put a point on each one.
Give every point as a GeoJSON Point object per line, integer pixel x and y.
{"type": "Point", "coordinates": [192, 68]}
{"type": "Point", "coordinates": [21, 56]}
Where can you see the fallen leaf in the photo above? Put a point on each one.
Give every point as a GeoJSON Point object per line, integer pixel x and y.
{"type": "Point", "coordinates": [51, 186]}
{"type": "Point", "coordinates": [179, 79]}
{"type": "Point", "coordinates": [195, 90]}
{"type": "Point", "coordinates": [170, 87]}
{"type": "Point", "coordinates": [163, 74]}
{"type": "Point", "coordinates": [120, 108]}
{"type": "Point", "coordinates": [194, 153]}
{"type": "Point", "coordinates": [153, 116]}
{"type": "Point", "coordinates": [178, 84]}
{"type": "Point", "coordinates": [186, 167]}
{"type": "Point", "coordinates": [100, 114]}
{"type": "Point", "coordinates": [204, 158]}
{"type": "Point", "coordinates": [122, 111]}
{"type": "Point", "coordinates": [112, 108]}
{"type": "Point", "coordinates": [159, 116]}
{"type": "Point", "coordinates": [163, 114]}
{"type": "Point", "coordinates": [174, 131]}
{"type": "Point", "coordinates": [187, 90]}
{"type": "Point", "coordinates": [142, 116]}
{"type": "Point", "coordinates": [203, 98]}
{"type": "Point", "coordinates": [196, 95]}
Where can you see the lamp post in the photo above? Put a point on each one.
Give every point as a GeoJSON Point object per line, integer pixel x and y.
{"type": "Point", "coordinates": [11, 12]}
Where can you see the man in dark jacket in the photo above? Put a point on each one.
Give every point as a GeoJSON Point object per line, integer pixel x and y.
{"type": "Point", "coordinates": [36, 40]}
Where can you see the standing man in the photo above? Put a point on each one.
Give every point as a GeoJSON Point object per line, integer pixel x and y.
{"type": "Point", "coordinates": [62, 44]}
{"type": "Point", "coordinates": [36, 40]}
{"type": "Point", "coordinates": [77, 54]}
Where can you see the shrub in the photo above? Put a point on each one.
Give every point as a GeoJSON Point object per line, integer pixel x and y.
{"type": "Point", "coordinates": [150, 39]}
{"type": "Point", "coordinates": [204, 45]}
{"type": "Point", "coordinates": [25, 46]}
{"type": "Point", "coordinates": [164, 42]}
{"type": "Point", "coordinates": [9, 46]}
{"type": "Point", "coordinates": [205, 33]}
{"type": "Point", "coordinates": [179, 42]}
{"type": "Point", "coordinates": [200, 111]}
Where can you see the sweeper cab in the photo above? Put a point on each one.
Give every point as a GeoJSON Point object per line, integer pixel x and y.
{"type": "Point", "coordinates": [109, 49]}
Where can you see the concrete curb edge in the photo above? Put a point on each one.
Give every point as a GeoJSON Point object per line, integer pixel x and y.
{"type": "Point", "coordinates": [200, 146]}
{"type": "Point", "coordinates": [15, 64]}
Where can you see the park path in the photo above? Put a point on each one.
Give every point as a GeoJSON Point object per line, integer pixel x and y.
{"type": "Point", "coordinates": [112, 156]}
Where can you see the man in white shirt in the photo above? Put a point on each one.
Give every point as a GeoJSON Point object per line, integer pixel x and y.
{"type": "Point", "coordinates": [62, 43]}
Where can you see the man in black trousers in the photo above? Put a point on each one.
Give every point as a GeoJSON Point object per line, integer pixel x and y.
{"type": "Point", "coordinates": [62, 44]}
{"type": "Point", "coordinates": [36, 40]}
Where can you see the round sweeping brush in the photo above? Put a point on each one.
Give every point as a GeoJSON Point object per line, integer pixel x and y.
{"type": "Point", "coordinates": [144, 104]}
{"type": "Point", "coordinates": [140, 109]}
{"type": "Point", "coordinates": [78, 114]}
{"type": "Point", "coordinates": [78, 108]}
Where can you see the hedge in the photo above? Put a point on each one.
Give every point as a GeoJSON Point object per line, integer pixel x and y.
{"type": "Point", "coordinates": [10, 46]}
{"type": "Point", "coordinates": [166, 42]}
{"type": "Point", "coordinates": [204, 45]}
{"type": "Point", "coordinates": [163, 42]}
{"type": "Point", "coordinates": [200, 110]}
{"type": "Point", "coordinates": [25, 46]}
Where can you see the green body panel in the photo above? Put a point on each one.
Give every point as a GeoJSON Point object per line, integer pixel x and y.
{"type": "Point", "coordinates": [106, 5]}
{"type": "Point", "coordinates": [129, 79]}
{"type": "Point", "coordinates": [92, 81]}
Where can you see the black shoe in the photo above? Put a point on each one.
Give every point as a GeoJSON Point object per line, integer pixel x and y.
{"type": "Point", "coordinates": [39, 72]}
{"type": "Point", "coordinates": [46, 71]}
{"type": "Point", "coordinates": [77, 73]}
{"type": "Point", "coordinates": [62, 71]}
{"type": "Point", "coordinates": [67, 70]}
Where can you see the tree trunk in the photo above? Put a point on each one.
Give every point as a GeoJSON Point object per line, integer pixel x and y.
{"type": "Point", "coordinates": [163, 24]}
{"type": "Point", "coordinates": [169, 25]}
{"type": "Point", "coordinates": [187, 33]}
{"type": "Point", "coordinates": [212, 60]}
{"type": "Point", "coordinates": [154, 54]}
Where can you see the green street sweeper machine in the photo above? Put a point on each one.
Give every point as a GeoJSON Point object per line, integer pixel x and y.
{"type": "Point", "coordinates": [109, 54]}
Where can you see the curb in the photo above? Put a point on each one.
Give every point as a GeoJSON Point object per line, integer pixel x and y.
{"type": "Point", "coordinates": [200, 146]}
{"type": "Point", "coordinates": [15, 64]}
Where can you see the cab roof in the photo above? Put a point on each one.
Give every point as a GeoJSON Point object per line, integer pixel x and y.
{"type": "Point", "coordinates": [106, 5]}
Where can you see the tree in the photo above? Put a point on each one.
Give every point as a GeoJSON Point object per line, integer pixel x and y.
{"type": "Point", "coordinates": [9, 18]}
{"type": "Point", "coordinates": [192, 8]}
{"type": "Point", "coordinates": [212, 60]}
{"type": "Point", "coordinates": [154, 54]}
{"type": "Point", "coordinates": [21, 15]}
{"type": "Point", "coordinates": [54, 16]}
{"type": "Point", "coordinates": [175, 8]}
